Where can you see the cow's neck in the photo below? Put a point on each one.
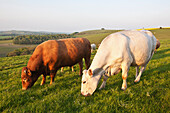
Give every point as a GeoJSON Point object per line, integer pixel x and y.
{"type": "Point", "coordinates": [98, 71]}
{"type": "Point", "coordinates": [98, 65]}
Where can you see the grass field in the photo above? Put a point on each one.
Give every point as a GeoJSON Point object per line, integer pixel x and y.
{"type": "Point", "coordinates": [1, 37]}
{"type": "Point", "coordinates": [95, 36]}
{"type": "Point", "coordinates": [7, 46]}
{"type": "Point", "coordinates": [151, 94]}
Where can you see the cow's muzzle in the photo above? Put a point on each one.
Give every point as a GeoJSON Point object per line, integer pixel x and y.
{"type": "Point", "coordinates": [86, 94]}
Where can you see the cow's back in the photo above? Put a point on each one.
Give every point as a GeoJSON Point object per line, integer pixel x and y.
{"type": "Point", "coordinates": [135, 45]}
{"type": "Point", "coordinates": [63, 52]}
{"type": "Point", "coordinates": [141, 44]}
{"type": "Point", "coordinates": [71, 51]}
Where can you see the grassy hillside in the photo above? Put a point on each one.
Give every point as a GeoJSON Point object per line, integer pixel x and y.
{"type": "Point", "coordinates": [4, 37]}
{"type": "Point", "coordinates": [162, 33]}
{"type": "Point", "coordinates": [151, 94]}
{"type": "Point", "coordinates": [95, 36]}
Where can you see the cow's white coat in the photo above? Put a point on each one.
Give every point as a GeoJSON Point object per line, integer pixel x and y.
{"type": "Point", "coordinates": [119, 51]}
{"type": "Point", "coordinates": [93, 47]}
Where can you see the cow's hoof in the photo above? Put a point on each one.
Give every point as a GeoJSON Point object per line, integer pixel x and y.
{"type": "Point", "coordinates": [123, 88]}
{"type": "Point", "coordinates": [101, 88]}
{"type": "Point", "coordinates": [136, 81]}
{"type": "Point", "coordinates": [42, 83]}
{"type": "Point", "coordinates": [51, 83]}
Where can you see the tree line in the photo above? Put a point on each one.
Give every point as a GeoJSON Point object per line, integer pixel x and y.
{"type": "Point", "coordinates": [21, 51]}
{"type": "Point", "coordinates": [37, 39]}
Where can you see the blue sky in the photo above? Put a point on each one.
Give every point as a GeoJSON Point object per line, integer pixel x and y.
{"type": "Point", "coordinates": [80, 15]}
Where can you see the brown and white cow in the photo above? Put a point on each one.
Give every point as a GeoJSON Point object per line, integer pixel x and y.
{"type": "Point", "coordinates": [119, 51]}
{"type": "Point", "coordinates": [51, 55]}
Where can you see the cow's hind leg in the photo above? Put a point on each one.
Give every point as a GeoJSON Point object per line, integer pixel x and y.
{"type": "Point", "coordinates": [140, 73]}
{"type": "Point", "coordinates": [52, 75]}
{"type": "Point", "coordinates": [104, 82]}
{"type": "Point", "coordinates": [62, 69]}
{"type": "Point", "coordinates": [87, 60]}
{"type": "Point", "coordinates": [137, 71]}
{"type": "Point", "coordinates": [72, 68]}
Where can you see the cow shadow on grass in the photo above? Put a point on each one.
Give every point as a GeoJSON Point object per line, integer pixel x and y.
{"type": "Point", "coordinates": [146, 75]}
{"type": "Point", "coordinates": [61, 81]}
{"type": "Point", "coordinates": [68, 81]}
{"type": "Point", "coordinates": [161, 54]}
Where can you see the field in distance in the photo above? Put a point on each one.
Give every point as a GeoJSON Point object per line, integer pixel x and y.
{"type": "Point", "coordinates": [94, 36]}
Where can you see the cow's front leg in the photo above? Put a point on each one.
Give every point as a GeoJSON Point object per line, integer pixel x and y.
{"type": "Point", "coordinates": [81, 67]}
{"type": "Point", "coordinates": [125, 70]}
{"type": "Point", "coordinates": [104, 82]}
{"type": "Point", "coordinates": [43, 80]}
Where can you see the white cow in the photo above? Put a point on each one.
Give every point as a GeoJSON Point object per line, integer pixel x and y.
{"type": "Point", "coordinates": [93, 47]}
{"type": "Point", "coordinates": [119, 51]}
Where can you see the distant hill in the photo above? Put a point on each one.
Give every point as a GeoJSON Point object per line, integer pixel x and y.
{"type": "Point", "coordinates": [95, 36]}
{"type": "Point", "coordinates": [17, 33]}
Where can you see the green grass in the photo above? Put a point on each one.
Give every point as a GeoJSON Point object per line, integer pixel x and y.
{"type": "Point", "coordinates": [162, 33]}
{"type": "Point", "coordinates": [150, 95]}
{"type": "Point", "coordinates": [1, 37]}
{"type": "Point", "coordinates": [95, 36]}
{"type": "Point", "coordinates": [7, 46]}
{"type": "Point", "coordinates": [5, 41]}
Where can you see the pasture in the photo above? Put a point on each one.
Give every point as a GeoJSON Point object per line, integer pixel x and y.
{"type": "Point", "coordinates": [2, 37]}
{"type": "Point", "coordinates": [95, 36]}
{"type": "Point", "coordinates": [151, 94]}
{"type": "Point", "coordinates": [7, 46]}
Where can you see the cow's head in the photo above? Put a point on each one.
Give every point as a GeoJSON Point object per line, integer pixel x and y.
{"type": "Point", "coordinates": [27, 78]}
{"type": "Point", "coordinates": [89, 82]}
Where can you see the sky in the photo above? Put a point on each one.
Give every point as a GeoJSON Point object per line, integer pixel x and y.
{"type": "Point", "coordinates": [80, 15]}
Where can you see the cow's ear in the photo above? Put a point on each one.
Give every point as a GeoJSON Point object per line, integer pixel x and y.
{"type": "Point", "coordinates": [90, 72]}
{"type": "Point", "coordinates": [85, 71]}
{"type": "Point", "coordinates": [29, 72]}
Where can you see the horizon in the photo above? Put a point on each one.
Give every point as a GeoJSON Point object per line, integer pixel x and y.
{"type": "Point", "coordinates": [76, 16]}
{"type": "Point", "coordinates": [85, 30]}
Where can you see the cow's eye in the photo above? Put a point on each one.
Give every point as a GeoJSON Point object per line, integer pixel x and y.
{"type": "Point", "coordinates": [84, 82]}
{"type": "Point", "coordinates": [24, 79]}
